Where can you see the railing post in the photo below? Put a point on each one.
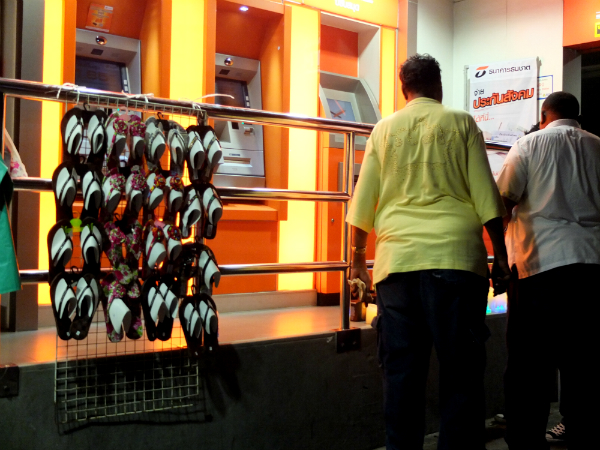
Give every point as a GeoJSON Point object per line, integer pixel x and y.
{"type": "Point", "coordinates": [346, 238]}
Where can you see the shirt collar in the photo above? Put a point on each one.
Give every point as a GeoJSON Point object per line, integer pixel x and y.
{"type": "Point", "coordinates": [564, 122]}
{"type": "Point", "coordinates": [420, 100]}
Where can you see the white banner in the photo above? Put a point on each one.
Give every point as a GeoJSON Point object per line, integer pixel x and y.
{"type": "Point", "coordinates": [503, 98]}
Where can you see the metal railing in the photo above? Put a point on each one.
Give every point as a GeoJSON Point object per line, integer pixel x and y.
{"type": "Point", "coordinates": [75, 95]}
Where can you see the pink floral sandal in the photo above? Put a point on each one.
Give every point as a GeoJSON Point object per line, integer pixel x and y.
{"type": "Point", "coordinates": [134, 189]}
{"type": "Point", "coordinates": [174, 198]}
{"type": "Point", "coordinates": [112, 187]}
{"type": "Point", "coordinates": [137, 132]}
{"type": "Point", "coordinates": [116, 130]}
{"type": "Point", "coordinates": [154, 249]}
{"type": "Point", "coordinates": [156, 184]}
{"type": "Point", "coordinates": [116, 313]}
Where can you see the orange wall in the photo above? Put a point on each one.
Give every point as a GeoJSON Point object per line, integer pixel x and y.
{"type": "Point", "coordinates": [127, 16]}
{"type": "Point", "coordinates": [580, 23]}
{"type": "Point", "coordinates": [401, 48]}
{"type": "Point", "coordinates": [155, 37]}
{"type": "Point", "coordinates": [339, 51]}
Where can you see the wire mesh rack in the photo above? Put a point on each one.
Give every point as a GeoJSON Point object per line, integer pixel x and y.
{"type": "Point", "coordinates": [98, 380]}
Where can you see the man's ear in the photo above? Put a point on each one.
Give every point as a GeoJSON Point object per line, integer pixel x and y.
{"type": "Point", "coordinates": [404, 93]}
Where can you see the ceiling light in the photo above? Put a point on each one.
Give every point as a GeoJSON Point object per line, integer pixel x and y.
{"type": "Point", "coordinates": [243, 8]}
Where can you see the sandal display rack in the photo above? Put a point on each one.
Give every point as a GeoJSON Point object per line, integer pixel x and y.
{"type": "Point", "coordinates": [141, 376]}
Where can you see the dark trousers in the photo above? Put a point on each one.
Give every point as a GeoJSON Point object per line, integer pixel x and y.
{"type": "Point", "coordinates": [445, 308]}
{"type": "Point", "coordinates": [552, 323]}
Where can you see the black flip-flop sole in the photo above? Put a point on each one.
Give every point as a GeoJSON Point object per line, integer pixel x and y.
{"type": "Point", "coordinates": [63, 325]}
{"type": "Point", "coordinates": [194, 344]}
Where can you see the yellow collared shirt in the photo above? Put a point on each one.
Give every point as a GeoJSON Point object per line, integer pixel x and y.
{"type": "Point", "coordinates": [426, 187]}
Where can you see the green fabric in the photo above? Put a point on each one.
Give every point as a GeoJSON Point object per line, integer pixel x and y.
{"type": "Point", "coordinates": [426, 187]}
{"type": "Point", "coordinates": [9, 269]}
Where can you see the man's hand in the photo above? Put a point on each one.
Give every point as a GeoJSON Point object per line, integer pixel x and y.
{"type": "Point", "coordinates": [500, 274]}
{"type": "Point", "coordinates": [361, 273]}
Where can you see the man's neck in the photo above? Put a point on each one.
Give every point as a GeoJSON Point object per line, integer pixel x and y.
{"type": "Point", "coordinates": [410, 96]}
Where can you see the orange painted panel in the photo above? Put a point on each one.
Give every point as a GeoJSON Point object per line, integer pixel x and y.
{"type": "Point", "coordinates": [581, 23]}
{"type": "Point", "coordinates": [401, 48]}
{"type": "Point", "coordinates": [127, 18]}
{"type": "Point", "coordinates": [339, 51]}
{"type": "Point", "coordinates": [246, 242]}
{"type": "Point", "coordinates": [242, 33]}
{"type": "Point", "coordinates": [381, 12]}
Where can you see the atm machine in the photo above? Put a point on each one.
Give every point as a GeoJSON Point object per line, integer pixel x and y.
{"type": "Point", "coordinates": [347, 98]}
{"type": "Point", "coordinates": [108, 62]}
{"type": "Point", "coordinates": [243, 164]}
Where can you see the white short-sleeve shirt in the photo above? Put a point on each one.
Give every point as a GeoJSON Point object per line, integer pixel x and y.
{"type": "Point", "coordinates": [554, 177]}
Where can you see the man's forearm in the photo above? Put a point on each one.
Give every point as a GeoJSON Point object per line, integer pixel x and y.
{"type": "Point", "coordinates": [359, 241]}
{"type": "Point", "coordinates": [495, 230]}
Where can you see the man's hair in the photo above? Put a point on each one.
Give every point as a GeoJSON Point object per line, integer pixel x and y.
{"type": "Point", "coordinates": [563, 104]}
{"type": "Point", "coordinates": [421, 74]}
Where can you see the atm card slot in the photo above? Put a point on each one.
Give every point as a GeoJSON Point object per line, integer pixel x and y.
{"type": "Point", "coordinates": [238, 161]}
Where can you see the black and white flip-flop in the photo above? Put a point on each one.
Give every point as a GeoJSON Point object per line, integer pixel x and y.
{"type": "Point", "coordinates": [71, 127]}
{"type": "Point", "coordinates": [64, 185]}
{"type": "Point", "coordinates": [191, 324]}
{"type": "Point", "coordinates": [60, 247]}
{"type": "Point", "coordinates": [88, 296]}
{"type": "Point", "coordinates": [213, 210]}
{"type": "Point", "coordinates": [210, 321]}
{"type": "Point", "coordinates": [64, 302]}
{"type": "Point", "coordinates": [191, 211]}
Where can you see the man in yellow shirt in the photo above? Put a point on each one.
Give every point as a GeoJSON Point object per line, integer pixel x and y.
{"type": "Point", "coordinates": [426, 187]}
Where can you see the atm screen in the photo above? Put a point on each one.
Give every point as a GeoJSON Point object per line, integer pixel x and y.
{"type": "Point", "coordinates": [235, 88]}
{"type": "Point", "coordinates": [341, 110]}
{"type": "Point", "coordinates": [99, 74]}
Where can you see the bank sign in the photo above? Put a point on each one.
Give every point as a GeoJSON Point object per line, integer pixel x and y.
{"type": "Point", "coordinates": [503, 98]}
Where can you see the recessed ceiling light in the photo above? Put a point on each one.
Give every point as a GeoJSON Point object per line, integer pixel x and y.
{"type": "Point", "coordinates": [243, 8]}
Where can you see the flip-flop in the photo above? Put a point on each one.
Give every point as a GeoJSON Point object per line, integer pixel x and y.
{"type": "Point", "coordinates": [64, 302]}
{"type": "Point", "coordinates": [116, 130]}
{"type": "Point", "coordinates": [195, 154]}
{"type": "Point", "coordinates": [155, 310]}
{"type": "Point", "coordinates": [174, 199]}
{"type": "Point", "coordinates": [155, 141]}
{"type": "Point", "coordinates": [64, 185]}
{"type": "Point", "coordinates": [96, 133]}
{"type": "Point", "coordinates": [137, 131]}
{"type": "Point", "coordinates": [60, 247]}
{"type": "Point", "coordinates": [133, 302]}
{"type": "Point", "coordinates": [88, 295]}
{"type": "Point", "coordinates": [156, 185]}
{"type": "Point", "coordinates": [191, 324]}
{"type": "Point", "coordinates": [112, 187]}
{"type": "Point", "coordinates": [211, 145]}
{"type": "Point", "coordinates": [171, 300]}
{"type": "Point", "coordinates": [209, 268]}
{"type": "Point", "coordinates": [90, 241]}
{"type": "Point", "coordinates": [116, 313]}
{"type": "Point", "coordinates": [191, 211]}
{"type": "Point", "coordinates": [177, 144]}
{"type": "Point", "coordinates": [134, 189]}
{"type": "Point", "coordinates": [173, 241]}
{"type": "Point", "coordinates": [154, 249]}
{"type": "Point", "coordinates": [71, 127]}
{"type": "Point", "coordinates": [92, 193]}
{"type": "Point", "coordinates": [210, 321]}
{"type": "Point", "coordinates": [213, 210]}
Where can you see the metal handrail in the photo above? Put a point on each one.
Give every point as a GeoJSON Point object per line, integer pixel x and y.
{"type": "Point", "coordinates": [40, 91]}
{"type": "Point", "coordinates": [32, 184]}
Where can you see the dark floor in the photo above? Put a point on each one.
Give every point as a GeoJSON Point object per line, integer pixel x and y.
{"type": "Point", "coordinates": [495, 434]}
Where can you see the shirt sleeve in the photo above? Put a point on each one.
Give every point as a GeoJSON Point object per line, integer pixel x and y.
{"type": "Point", "coordinates": [361, 213]}
{"type": "Point", "coordinates": [484, 193]}
{"type": "Point", "coordinates": [513, 175]}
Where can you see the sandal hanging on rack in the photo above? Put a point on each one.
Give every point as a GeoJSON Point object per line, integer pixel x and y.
{"type": "Point", "coordinates": [191, 324]}
{"type": "Point", "coordinates": [154, 249]}
{"type": "Point", "coordinates": [71, 127]}
{"type": "Point", "coordinates": [212, 148]}
{"type": "Point", "coordinates": [92, 193]}
{"type": "Point", "coordinates": [213, 210]}
{"type": "Point", "coordinates": [116, 131]}
{"type": "Point", "coordinates": [190, 212]}
{"type": "Point", "coordinates": [177, 145]}
{"type": "Point", "coordinates": [135, 186]}
{"type": "Point", "coordinates": [174, 197]}
{"type": "Point", "coordinates": [156, 185]}
{"type": "Point", "coordinates": [133, 302]}
{"type": "Point", "coordinates": [88, 296]}
{"type": "Point", "coordinates": [137, 132]}
{"type": "Point", "coordinates": [155, 141]}
{"type": "Point", "coordinates": [96, 132]}
{"type": "Point", "coordinates": [195, 153]}
{"type": "Point", "coordinates": [90, 240]}
{"type": "Point", "coordinates": [209, 269]}
{"type": "Point", "coordinates": [154, 307]}
{"type": "Point", "coordinates": [210, 321]}
{"type": "Point", "coordinates": [60, 247]}
{"type": "Point", "coordinates": [112, 187]}
{"type": "Point", "coordinates": [116, 313]}
{"type": "Point", "coordinates": [172, 235]}
{"type": "Point", "coordinates": [64, 301]}
{"type": "Point", "coordinates": [64, 185]}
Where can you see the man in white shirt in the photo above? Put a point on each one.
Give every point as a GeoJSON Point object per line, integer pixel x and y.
{"type": "Point", "coordinates": [551, 182]}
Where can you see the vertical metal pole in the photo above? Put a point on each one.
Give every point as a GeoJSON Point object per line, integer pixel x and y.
{"type": "Point", "coordinates": [346, 239]}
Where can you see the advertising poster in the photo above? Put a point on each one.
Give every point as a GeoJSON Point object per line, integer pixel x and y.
{"type": "Point", "coordinates": [99, 17]}
{"type": "Point", "coordinates": [503, 98]}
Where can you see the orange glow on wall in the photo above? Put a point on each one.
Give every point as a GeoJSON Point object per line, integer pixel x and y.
{"type": "Point", "coordinates": [581, 24]}
{"type": "Point", "coordinates": [297, 234]}
{"type": "Point", "coordinates": [51, 115]}
{"type": "Point", "coordinates": [380, 12]}
{"type": "Point", "coordinates": [187, 49]}
{"type": "Point", "coordinates": [387, 85]}
{"type": "Point", "coordinates": [126, 20]}
{"type": "Point", "coordinates": [339, 51]}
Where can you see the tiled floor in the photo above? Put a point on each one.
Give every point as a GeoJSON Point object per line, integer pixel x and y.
{"type": "Point", "coordinates": [495, 434]}
{"type": "Point", "coordinates": [35, 347]}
